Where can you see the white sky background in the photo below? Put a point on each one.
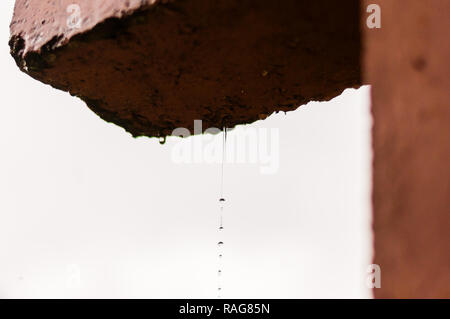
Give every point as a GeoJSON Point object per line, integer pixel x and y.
{"type": "Point", "coordinates": [88, 211]}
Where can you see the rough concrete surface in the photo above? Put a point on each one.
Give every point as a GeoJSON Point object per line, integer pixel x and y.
{"type": "Point", "coordinates": [407, 62]}
{"type": "Point", "coordinates": [153, 66]}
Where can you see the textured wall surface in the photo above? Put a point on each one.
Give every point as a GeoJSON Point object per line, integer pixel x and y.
{"type": "Point", "coordinates": [408, 63]}
{"type": "Point", "coordinates": [153, 66]}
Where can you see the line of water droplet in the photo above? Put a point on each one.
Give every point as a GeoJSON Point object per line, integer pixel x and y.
{"type": "Point", "coordinates": [221, 207]}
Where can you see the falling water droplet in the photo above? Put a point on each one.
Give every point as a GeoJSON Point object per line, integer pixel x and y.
{"type": "Point", "coordinates": [221, 210]}
{"type": "Point", "coordinates": [221, 205]}
{"type": "Point", "coordinates": [162, 140]}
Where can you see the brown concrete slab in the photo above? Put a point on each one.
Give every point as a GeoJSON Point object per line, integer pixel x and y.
{"type": "Point", "coordinates": [151, 67]}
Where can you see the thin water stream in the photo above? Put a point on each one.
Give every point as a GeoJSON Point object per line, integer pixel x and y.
{"type": "Point", "coordinates": [221, 212]}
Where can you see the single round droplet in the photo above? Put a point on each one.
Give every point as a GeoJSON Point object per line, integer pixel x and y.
{"type": "Point", "coordinates": [220, 243]}
{"type": "Point", "coordinates": [162, 140]}
{"type": "Point", "coordinates": [222, 200]}
{"type": "Point", "coordinates": [219, 272]}
{"type": "Point", "coordinates": [220, 256]}
{"type": "Point", "coordinates": [219, 289]}
{"type": "Point", "coordinates": [221, 228]}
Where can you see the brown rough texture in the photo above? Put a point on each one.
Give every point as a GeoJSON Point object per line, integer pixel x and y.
{"type": "Point", "coordinates": [151, 67]}
{"type": "Point", "coordinates": [407, 62]}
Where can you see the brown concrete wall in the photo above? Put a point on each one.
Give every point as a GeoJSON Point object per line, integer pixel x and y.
{"type": "Point", "coordinates": [226, 62]}
{"type": "Point", "coordinates": [408, 63]}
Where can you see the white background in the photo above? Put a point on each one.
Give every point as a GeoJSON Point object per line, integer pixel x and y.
{"type": "Point", "coordinates": [88, 211]}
